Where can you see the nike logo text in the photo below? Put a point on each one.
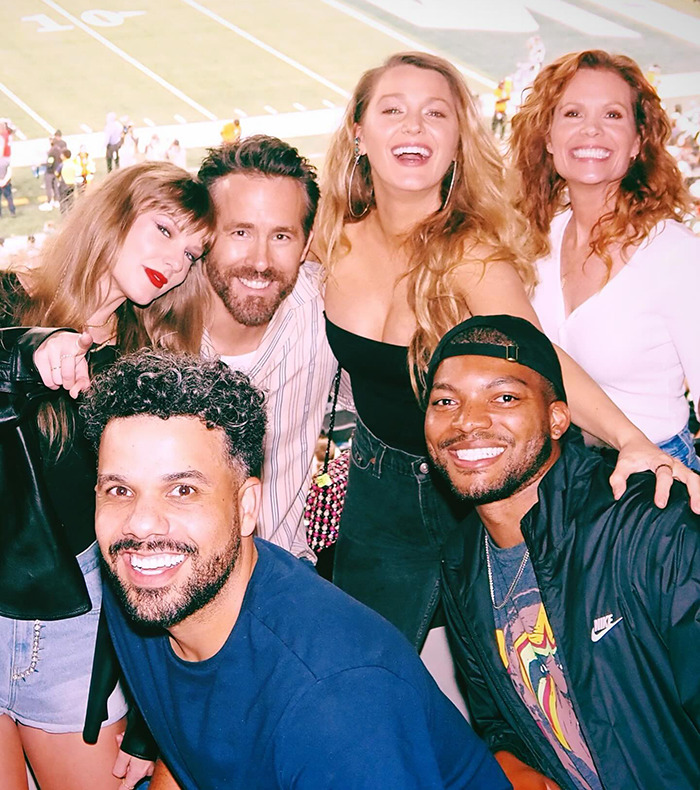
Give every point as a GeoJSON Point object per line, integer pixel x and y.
{"type": "Point", "coordinates": [601, 626]}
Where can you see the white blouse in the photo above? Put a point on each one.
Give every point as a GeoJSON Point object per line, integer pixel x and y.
{"type": "Point", "coordinates": [638, 337]}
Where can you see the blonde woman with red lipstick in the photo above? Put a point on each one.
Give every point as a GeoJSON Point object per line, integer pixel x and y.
{"type": "Point", "coordinates": [114, 278]}
{"type": "Point", "coordinates": [416, 233]}
{"type": "Point", "coordinates": [619, 273]}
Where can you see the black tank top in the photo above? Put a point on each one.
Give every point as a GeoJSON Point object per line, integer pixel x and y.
{"type": "Point", "coordinates": [381, 387]}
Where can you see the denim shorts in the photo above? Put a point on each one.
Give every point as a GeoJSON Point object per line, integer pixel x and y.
{"type": "Point", "coordinates": [45, 666]}
{"type": "Point", "coordinates": [681, 446]}
{"type": "Point", "coordinates": [395, 519]}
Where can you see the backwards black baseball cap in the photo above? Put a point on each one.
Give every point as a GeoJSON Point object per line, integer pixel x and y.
{"type": "Point", "coordinates": [523, 343]}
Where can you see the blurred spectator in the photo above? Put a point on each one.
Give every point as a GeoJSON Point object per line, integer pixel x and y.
{"type": "Point", "coordinates": [67, 180]}
{"type": "Point", "coordinates": [6, 132]}
{"type": "Point", "coordinates": [499, 120]}
{"type": "Point", "coordinates": [52, 171]}
{"type": "Point", "coordinates": [154, 149]}
{"type": "Point", "coordinates": [114, 135]}
{"type": "Point", "coordinates": [231, 131]}
{"type": "Point", "coordinates": [653, 76]}
{"type": "Point", "coordinates": [86, 168]}
{"type": "Point", "coordinates": [176, 154]}
{"type": "Point", "coordinates": [130, 146]}
{"type": "Point", "coordinates": [6, 185]}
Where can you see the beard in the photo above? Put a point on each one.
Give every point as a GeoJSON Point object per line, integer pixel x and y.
{"type": "Point", "coordinates": [515, 476]}
{"type": "Point", "coordinates": [166, 606]}
{"type": "Point", "coordinates": [250, 310]}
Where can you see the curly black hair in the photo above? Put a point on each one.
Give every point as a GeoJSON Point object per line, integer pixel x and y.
{"type": "Point", "coordinates": [166, 384]}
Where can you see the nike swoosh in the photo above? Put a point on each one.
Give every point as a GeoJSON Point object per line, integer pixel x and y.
{"type": "Point", "coordinates": [596, 636]}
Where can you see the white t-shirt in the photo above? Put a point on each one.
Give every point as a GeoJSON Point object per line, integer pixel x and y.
{"type": "Point", "coordinates": [638, 336]}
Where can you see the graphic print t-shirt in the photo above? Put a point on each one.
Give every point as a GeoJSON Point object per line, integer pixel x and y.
{"type": "Point", "coordinates": [529, 653]}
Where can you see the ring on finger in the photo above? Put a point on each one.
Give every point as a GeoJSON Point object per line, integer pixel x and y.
{"type": "Point", "coordinates": [660, 466]}
{"type": "Point", "coordinates": [65, 356]}
{"type": "Point", "coordinates": [56, 367]}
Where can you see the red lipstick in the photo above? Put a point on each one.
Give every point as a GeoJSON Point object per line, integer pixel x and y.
{"type": "Point", "coordinates": [158, 279]}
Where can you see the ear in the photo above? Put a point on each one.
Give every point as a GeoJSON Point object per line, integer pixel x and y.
{"type": "Point", "coordinates": [307, 246]}
{"type": "Point", "coordinates": [548, 145]}
{"type": "Point", "coordinates": [637, 148]}
{"type": "Point", "coordinates": [559, 419]}
{"type": "Point", "coordinates": [249, 500]}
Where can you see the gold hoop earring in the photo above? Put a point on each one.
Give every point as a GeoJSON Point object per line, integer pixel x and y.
{"type": "Point", "coordinates": [452, 183]}
{"type": "Point", "coordinates": [352, 175]}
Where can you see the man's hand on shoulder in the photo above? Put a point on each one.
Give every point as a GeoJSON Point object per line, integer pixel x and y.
{"type": "Point", "coordinates": [521, 776]}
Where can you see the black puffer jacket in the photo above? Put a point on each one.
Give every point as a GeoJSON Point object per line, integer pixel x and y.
{"type": "Point", "coordinates": [636, 690]}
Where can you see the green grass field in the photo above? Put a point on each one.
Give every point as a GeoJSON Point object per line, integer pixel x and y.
{"type": "Point", "coordinates": [173, 63]}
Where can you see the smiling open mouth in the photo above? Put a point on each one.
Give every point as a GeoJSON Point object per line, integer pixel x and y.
{"type": "Point", "coordinates": [256, 285]}
{"type": "Point", "coordinates": [158, 279]}
{"type": "Point", "coordinates": [590, 153]}
{"type": "Point", "coordinates": [154, 564]}
{"type": "Point", "coordinates": [412, 153]}
{"type": "Point", "coordinates": [478, 453]}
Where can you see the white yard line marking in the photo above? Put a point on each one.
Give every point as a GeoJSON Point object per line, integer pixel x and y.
{"type": "Point", "coordinates": [86, 128]}
{"type": "Point", "coordinates": [267, 48]}
{"type": "Point", "coordinates": [329, 104]}
{"type": "Point", "coordinates": [34, 116]}
{"type": "Point", "coordinates": [135, 63]}
{"type": "Point", "coordinates": [269, 109]}
{"type": "Point", "coordinates": [148, 122]}
{"type": "Point", "coordinates": [179, 119]}
{"type": "Point", "coordinates": [240, 112]}
{"type": "Point", "coordinates": [409, 42]}
{"type": "Point", "coordinates": [298, 106]}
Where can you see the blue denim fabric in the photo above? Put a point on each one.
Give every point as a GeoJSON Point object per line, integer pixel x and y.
{"type": "Point", "coordinates": [681, 446]}
{"type": "Point", "coordinates": [394, 523]}
{"type": "Point", "coordinates": [45, 666]}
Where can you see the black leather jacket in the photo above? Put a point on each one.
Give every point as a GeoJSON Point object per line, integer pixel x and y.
{"type": "Point", "coordinates": [39, 575]}
{"type": "Point", "coordinates": [635, 692]}
{"type": "Point", "coordinates": [40, 578]}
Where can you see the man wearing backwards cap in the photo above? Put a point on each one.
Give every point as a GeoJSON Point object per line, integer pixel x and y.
{"type": "Point", "coordinates": [574, 618]}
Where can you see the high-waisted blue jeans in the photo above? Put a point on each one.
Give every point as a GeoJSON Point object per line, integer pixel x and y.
{"type": "Point", "coordinates": [394, 522]}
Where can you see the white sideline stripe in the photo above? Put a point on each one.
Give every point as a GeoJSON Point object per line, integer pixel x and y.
{"type": "Point", "coordinates": [34, 116]}
{"type": "Point", "coordinates": [270, 50]}
{"type": "Point", "coordinates": [409, 42]}
{"type": "Point", "coordinates": [135, 63]}
{"type": "Point", "coordinates": [658, 16]}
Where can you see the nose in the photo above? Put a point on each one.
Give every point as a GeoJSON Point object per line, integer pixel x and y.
{"type": "Point", "coordinates": [260, 254]}
{"type": "Point", "coordinates": [471, 416]}
{"type": "Point", "coordinates": [591, 126]}
{"type": "Point", "coordinates": [145, 520]}
{"type": "Point", "coordinates": [413, 122]}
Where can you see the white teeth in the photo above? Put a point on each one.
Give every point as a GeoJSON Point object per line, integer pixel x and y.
{"type": "Point", "coordinates": [479, 453]}
{"type": "Point", "coordinates": [591, 153]}
{"type": "Point", "coordinates": [155, 563]}
{"type": "Point", "coordinates": [418, 150]}
{"type": "Point", "coordinates": [257, 285]}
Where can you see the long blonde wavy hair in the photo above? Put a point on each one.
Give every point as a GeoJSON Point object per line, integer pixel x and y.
{"type": "Point", "coordinates": [63, 289]}
{"type": "Point", "coordinates": [651, 190]}
{"type": "Point", "coordinates": [478, 211]}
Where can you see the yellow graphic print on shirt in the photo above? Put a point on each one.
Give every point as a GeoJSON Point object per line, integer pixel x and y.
{"type": "Point", "coordinates": [532, 648]}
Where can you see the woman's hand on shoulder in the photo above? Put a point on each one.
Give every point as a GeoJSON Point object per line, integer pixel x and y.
{"type": "Point", "coordinates": [61, 361]}
{"type": "Point", "coordinates": [640, 455]}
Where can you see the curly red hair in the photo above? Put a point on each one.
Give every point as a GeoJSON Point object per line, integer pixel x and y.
{"type": "Point", "coordinates": [652, 189]}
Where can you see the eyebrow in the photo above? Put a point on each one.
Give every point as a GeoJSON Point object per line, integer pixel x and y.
{"type": "Point", "coordinates": [172, 477]}
{"type": "Point", "coordinates": [403, 96]}
{"type": "Point", "coordinates": [494, 384]}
